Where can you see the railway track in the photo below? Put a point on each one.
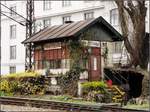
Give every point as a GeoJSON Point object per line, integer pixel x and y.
{"type": "Point", "coordinates": [70, 107]}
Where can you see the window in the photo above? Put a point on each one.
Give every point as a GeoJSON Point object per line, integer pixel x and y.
{"type": "Point", "coordinates": [117, 47]}
{"type": "Point", "coordinates": [65, 63]}
{"type": "Point", "coordinates": [66, 3]}
{"type": "Point", "coordinates": [94, 63]}
{"type": "Point", "coordinates": [66, 18]}
{"type": "Point", "coordinates": [89, 15]}
{"type": "Point", "coordinates": [52, 64]}
{"type": "Point", "coordinates": [87, 1]}
{"type": "Point", "coordinates": [12, 69]}
{"type": "Point", "coordinates": [46, 22]}
{"type": "Point", "coordinates": [84, 63]}
{"type": "Point", "coordinates": [12, 11]}
{"type": "Point", "coordinates": [13, 31]}
{"type": "Point", "coordinates": [114, 17]}
{"type": "Point", "coordinates": [12, 52]}
{"type": "Point", "coordinates": [47, 4]}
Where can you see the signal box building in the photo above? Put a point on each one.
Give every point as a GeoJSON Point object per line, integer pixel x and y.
{"type": "Point", "coordinates": [51, 50]}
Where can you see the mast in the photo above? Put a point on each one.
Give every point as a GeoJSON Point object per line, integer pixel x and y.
{"type": "Point", "coordinates": [29, 31]}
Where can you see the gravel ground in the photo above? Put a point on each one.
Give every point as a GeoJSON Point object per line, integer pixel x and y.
{"type": "Point", "coordinates": [13, 108]}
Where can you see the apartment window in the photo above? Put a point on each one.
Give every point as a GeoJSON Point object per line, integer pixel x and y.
{"type": "Point", "coordinates": [13, 31]}
{"type": "Point", "coordinates": [114, 17]}
{"type": "Point", "coordinates": [117, 47]}
{"type": "Point", "coordinates": [87, 1]}
{"type": "Point", "coordinates": [47, 4]}
{"type": "Point", "coordinates": [12, 52]}
{"type": "Point", "coordinates": [89, 15]}
{"type": "Point", "coordinates": [47, 22]}
{"type": "Point", "coordinates": [66, 18]}
{"type": "Point", "coordinates": [12, 69]}
{"type": "Point", "coordinates": [66, 3]}
{"type": "Point", "coordinates": [12, 11]}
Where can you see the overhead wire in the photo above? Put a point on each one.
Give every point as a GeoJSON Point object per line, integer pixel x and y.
{"type": "Point", "coordinates": [3, 13]}
{"type": "Point", "coordinates": [14, 12]}
{"type": "Point", "coordinates": [13, 19]}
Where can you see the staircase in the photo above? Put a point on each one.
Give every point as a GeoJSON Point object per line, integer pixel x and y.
{"type": "Point", "coordinates": [117, 93]}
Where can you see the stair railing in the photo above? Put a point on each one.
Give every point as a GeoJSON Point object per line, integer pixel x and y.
{"type": "Point", "coordinates": [114, 77]}
{"type": "Point", "coordinates": [120, 92]}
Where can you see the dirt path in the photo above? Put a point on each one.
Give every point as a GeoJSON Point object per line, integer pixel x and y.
{"type": "Point", "coordinates": [10, 108]}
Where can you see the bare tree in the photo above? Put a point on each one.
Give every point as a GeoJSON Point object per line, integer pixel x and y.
{"type": "Point", "coordinates": [136, 41]}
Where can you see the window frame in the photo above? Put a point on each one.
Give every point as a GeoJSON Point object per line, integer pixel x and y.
{"type": "Point", "coordinates": [12, 71]}
{"type": "Point", "coordinates": [11, 12]}
{"type": "Point", "coordinates": [114, 17]}
{"type": "Point", "coordinates": [117, 47]}
{"type": "Point", "coordinates": [13, 56]}
{"type": "Point", "coordinates": [46, 20]}
{"type": "Point", "coordinates": [46, 5]}
{"type": "Point", "coordinates": [87, 1]}
{"type": "Point", "coordinates": [95, 62]}
{"type": "Point", "coordinates": [66, 3]}
{"type": "Point", "coordinates": [66, 18]}
{"type": "Point", "coordinates": [88, 14]}
{"type": "Point", "coordinates": [13, 35]}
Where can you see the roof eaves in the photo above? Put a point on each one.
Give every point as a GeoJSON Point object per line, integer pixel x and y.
{"type": "Point", "coordinates": [112, 29]}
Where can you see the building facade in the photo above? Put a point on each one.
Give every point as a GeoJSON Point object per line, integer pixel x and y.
{"type": "Point", "coordinates": [60, 48]}
{"type": "Point", "coordinates": [49, 13]}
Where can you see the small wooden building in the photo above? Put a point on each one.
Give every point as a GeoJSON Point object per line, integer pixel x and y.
{"type": "Point", "coordinates": [51, 50]}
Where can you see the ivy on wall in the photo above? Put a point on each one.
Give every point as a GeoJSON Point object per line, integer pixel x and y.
{"type": "Point", "coordinates": [70, 80]}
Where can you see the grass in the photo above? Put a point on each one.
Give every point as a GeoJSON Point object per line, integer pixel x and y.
{"type": "Point", "coordinates": [137, 106]}
{"type": "Point", "coordinates": [61, 98]}
{"type": "Point", "coordinates": [5, 94]}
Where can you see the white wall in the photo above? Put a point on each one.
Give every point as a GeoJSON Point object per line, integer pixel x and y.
{"type": "Point", "coordinates": [7, 42]}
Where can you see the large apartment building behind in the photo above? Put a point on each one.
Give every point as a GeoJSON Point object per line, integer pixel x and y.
{"type": "Point", "coordinates": [49, 13]}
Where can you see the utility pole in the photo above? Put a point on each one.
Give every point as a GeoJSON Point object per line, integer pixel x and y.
{"type": "Point", "coordinates": [29, 31]}
{"type": "Point", "coordinates": [0, 37]}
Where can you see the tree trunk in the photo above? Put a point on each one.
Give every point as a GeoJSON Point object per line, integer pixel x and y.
{"type": "Point", "coordinates": [137, 44]}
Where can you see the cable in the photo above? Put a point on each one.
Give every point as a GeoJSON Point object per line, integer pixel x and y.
{"type": "Point", "coordinates": [14, 12]}
{"type": "Point", "coordinates": [13, 19]}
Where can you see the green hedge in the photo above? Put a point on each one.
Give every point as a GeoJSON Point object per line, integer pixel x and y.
{"type": "Point", "coordinates": [22, 83]}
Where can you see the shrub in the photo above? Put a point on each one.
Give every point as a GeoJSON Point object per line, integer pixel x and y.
{"type": "Point", "coordinates": [5, 86]}
{"type": "Point", "coordinates": [96, 91]}
{"type": "Point", "coordinates": [94, 86]}
{"type": "Point", "coordinates": [22, 83]}
{"type": "Point", "coordinates": [9, 87]}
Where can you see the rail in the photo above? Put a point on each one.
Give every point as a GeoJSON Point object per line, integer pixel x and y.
{"type": "Point", "coordinates": [63, 105]}
{"type": "Point", "coordinates": [119, 109]}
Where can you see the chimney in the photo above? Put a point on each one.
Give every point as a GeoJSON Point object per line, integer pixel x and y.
{"type": "Point", "coordinates": [68, 22]}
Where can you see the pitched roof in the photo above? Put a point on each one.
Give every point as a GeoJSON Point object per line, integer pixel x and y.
{"type": "Point", "coordinates": [70, 30]}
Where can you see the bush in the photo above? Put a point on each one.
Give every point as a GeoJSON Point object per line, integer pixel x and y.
{"type": "Point", "coordinates": [94, 86]}
{"type": "Point", "coordinates": [22, 83]}
{"type": "Point", "coordinates": [5, 86]}
{"type": "Point", "coordinates": [9, 87]}
{"type": "Point", "coordinates": [34, 86]}
{"type": "Point", "coordinates": [96, 91]}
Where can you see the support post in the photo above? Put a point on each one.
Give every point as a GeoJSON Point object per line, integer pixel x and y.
{"type": "Point", "coordinates": [29, 25]}
{"type": "Point", "coordinates": [0, 37]}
